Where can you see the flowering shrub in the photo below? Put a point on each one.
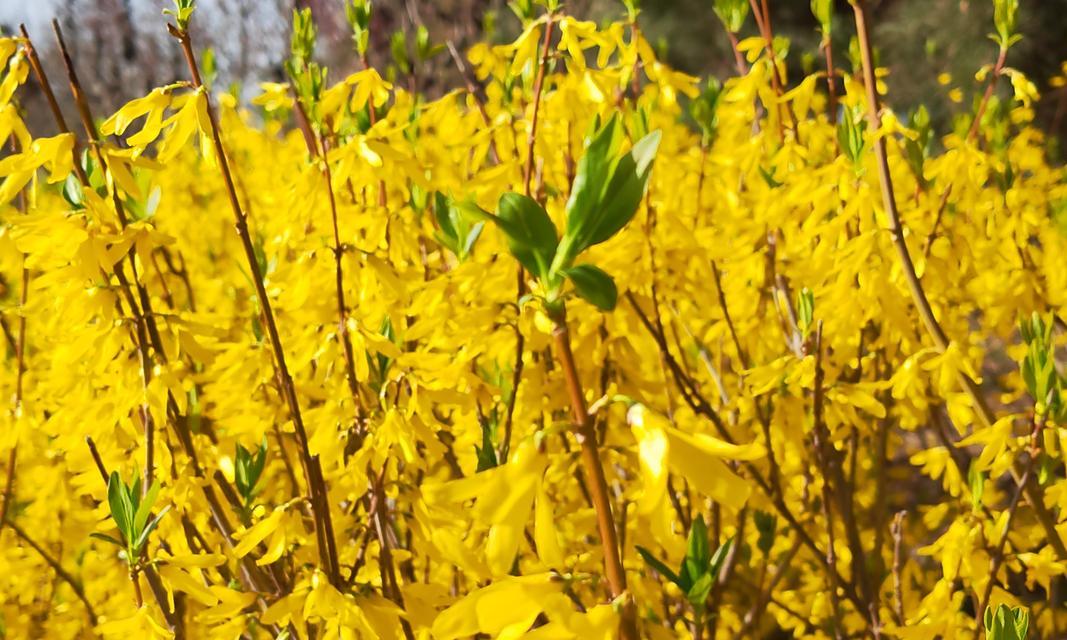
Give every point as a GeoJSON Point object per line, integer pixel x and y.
{"type": "Point", "coordinates": [602, 351]}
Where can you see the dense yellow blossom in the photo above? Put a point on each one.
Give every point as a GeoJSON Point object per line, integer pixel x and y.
{"type": "Point", "coordinates": [765, 334]}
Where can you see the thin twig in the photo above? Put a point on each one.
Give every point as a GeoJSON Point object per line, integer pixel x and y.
{"type": "Point", "coordinates": [63, 574]}
{"type": "Point", "coordinates": [312, 468]}
{"type": "Point", "coordinates": [595, 479]}
{"type": "Point", "coordinates": [1033, 492]}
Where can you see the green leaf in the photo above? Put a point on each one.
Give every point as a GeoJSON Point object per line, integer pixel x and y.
{"type": "Point", "coordinates": [768, 177]}
{"type": "Point", "coordinates": [732, 13]}
{"type": "Point", "coordinates": [976, 479]}
{"type": "Point", "coordinates": [824, 13]}
{"type": "Point", "coordinates": [72, 191]}
{"type": "Point", "coordinates": [242, 462]}
{"type": "Point", "coordinates": [143, 537]}
{"type": "Point", "coordinates": [121, 506]}
{"type": "Point", "coordinates": [398, 46]}
{"type": "Point", "coordinates": [144, 508]}
{"type": "Point", "coordinates": [1005, 13]}
{"type": "Point", "coordinates": [698, 593]}
{"type": "Point", "coordinates": [531, 235]}
{"type": "Point", "coordinates": [487, 452]}
{"type": "Point", "coordinates": [472, 236]}
{"type": "Point", "coordinates": [1006, 623]}
{"type": "Point", "coordinates": [697, 554]}
{"type": "Point", "coordinates": [625, 190]}
{"type": "Point", "coordinates": [107, 538]}
{"type": "Point", "coordinates": [590, 183]}
{"type": "Point", "coordinates": [454, 222]}
{"type": "Point", "coordinates": [719, 557]}
{"type": "Point", "coordinates": [805, 311]}
{"type": "Point", "coordinates": [594, 286]}
{"type": "Point", "coordinates": [259, 462]}
{"type": "Point", "coordinates": [659, 567]}
{"type": "Point", "coordinates": [442, 212]}
{"type": "Point", "coordinates": [1022, 623]}
{"type": "Point", "coordinates": [766, 525]}
{"type": "Point", "coordinates": [703, 109]}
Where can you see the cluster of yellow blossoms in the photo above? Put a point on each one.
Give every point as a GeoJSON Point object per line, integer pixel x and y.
{"type": "Point", "coordinates": [387, 450]}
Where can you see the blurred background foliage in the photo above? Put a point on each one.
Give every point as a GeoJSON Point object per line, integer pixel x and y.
{"type": "Point", "coordinates": [931, 47]}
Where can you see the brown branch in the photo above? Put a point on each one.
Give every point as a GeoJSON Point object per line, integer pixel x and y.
{"type": "Point", "coordinates": [1031, 490]}
{"type": "Point", "coordinates": [20, 371]}
{"type": "Point", "coordinates": [251, 571]}
{"type": "Point", "coordinates": [476, 95]}
{"type": "Point", "coordinates": [823, 457]}
{"type": "Point", "coordinates": [831, 80]}
{"type": "Point", "coordinates": [312, 468]}
{"type": "Point", "coordinates": [145, 320]}
{"type": "Point", "coordinates": [62, 573]}
{"type": "Point", "coordinates": [763, 21]}
{"type": "Point", "coordinates": [702, 407]}
{"type": "Point", "coordinates": [520, 279]}
{"type": "Point", "coordinates": [998, 553]}
{"type": "Point", "coordinates": [595, 479]}
{"type": "Point", "coordinates": [898, 562]}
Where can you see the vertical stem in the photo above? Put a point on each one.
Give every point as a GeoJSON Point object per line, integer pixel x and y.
{"type": "Point", "coordinates": [831, 85]}
{"type": "Point", "coordinates": [180, 426]}
{"type": "Point", "coordinates": [998, 553]}
{"type": "Point", "coordinates": [312, 468]}
{"type": "Point", "coordinates": [372, 112]}
{"type": "Point", "coordinates": [20, 364]}
{"type": "Point", "coordinates": [595, 479]}
{"type": "Point", "coordinates": [145, 320]}
{"type": "Point", "coordinates": [898, 560]}
{"type": "Point", "coordinates": [739, 58]}
{"type": "Point", "coordinates": [998, 68]}
{"type": "Point", "coordinates": [1033, 492]}
{"type": "Point", "coordinates": [342, 307]}
{"type": "Point", "coordinates": [520, 277]}
{"type": "Point", "coordinates": [539, 84]}
{"type": "Point", "coordinates": [761, 12]}
{"type": "Point", "coordinates": [822, 456]}
{"type": "Point", "coordinates": [50, 97]}
{"type": "Point", "coordinates": [390, 586]}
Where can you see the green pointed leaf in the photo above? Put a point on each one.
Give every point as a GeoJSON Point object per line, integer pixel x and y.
{"type": "Point", "coordinates": [259, 462]}
{"type": "Point", "coordinates": [144, 508]}
{"type": "Point", "coordinates": [143, 537]}
{"type": "Point", "coordinates": [976, 480]}
{"type": "Point", "coordinates": [242, 462]}
{"type": "Point", "coordinates": [72, 191]}
{"type": "Point", "coordinates": [659, 567]}
{"type": "Point", "coordinates": [593, 285]}
{"type": "Point", "coordinates": [442, 211]}
{"type": "Point", "coordinates": [698, 593]}
{"type": "Point", "coordinates": [719, 557]}
{"type": "Point", "coordinates": [107, 538]}
{"type": "Point", "coordinates": [823, 10]}
{"type": "Point", "coordinates": [732, 13]}
{"type": "Point", "coordinates": [531, 235]}
{"type": "Point", "coordinates": [697, 554]}
{"type": "Point", "coordinates": [472, 236]}
{"type": "Point", "coordinates": [459, 224]}
{"type": "Point", "coordinates": [1022, 623]}
{"type": "Point", "coordinates": [487, 452]}
{"type": "Point", "coordinates": [121, 507]}
{"type": "Point", "coordinates": [624, 193]}
{"type": "Point", "coordinates": [592, 175]}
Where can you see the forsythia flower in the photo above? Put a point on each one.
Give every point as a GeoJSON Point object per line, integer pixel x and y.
{"type": "Point", "coordinates": [754, 400]}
